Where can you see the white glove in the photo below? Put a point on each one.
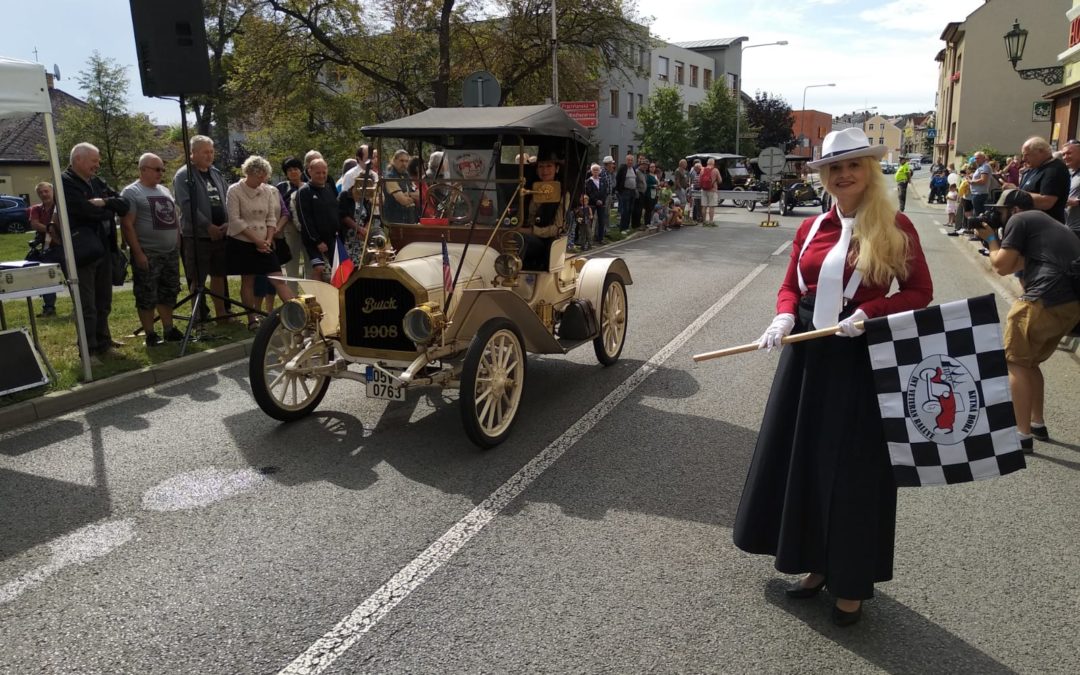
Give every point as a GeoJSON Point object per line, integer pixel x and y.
{"type": "Point", "coordinates": [779, 329]}
{"type": "Point", "coordinates": [847, 326]}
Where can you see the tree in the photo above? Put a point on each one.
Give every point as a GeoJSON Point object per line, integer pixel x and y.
{"type": "Point", "coordinates": [773, 119]}
{"type": "Point", "coordinates": [105, 122]}
{"type": "Point", "coordinates": [713, 121]}
{"type": "Point", "coordinates": [665, 132]}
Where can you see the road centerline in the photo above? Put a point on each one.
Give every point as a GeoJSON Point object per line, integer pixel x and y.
{"type": "Point", "coordinates": [327, 649]}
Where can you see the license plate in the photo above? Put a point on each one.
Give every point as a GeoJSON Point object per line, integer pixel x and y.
{"type": "Point", "coordinates": [379, 385]}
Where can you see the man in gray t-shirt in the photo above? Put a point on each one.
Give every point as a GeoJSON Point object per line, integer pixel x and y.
{"type": "Point", "coordinates": [1043, 248]}
{"type": "Point", "coordinates": [152, 231]}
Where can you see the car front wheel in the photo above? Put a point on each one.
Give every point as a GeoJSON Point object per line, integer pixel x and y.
{"type": "Point", "coordinates": [284, 390]}
{"type": "Point", "coordinates": [492, 381]}
{"type": "Point", "coordinates": [608, 345]}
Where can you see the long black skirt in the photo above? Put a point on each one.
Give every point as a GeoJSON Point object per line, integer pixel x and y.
{"type": "Point", "coordinates": [820, 494]}
{"type": "Point", "coordinates": [241, 257]}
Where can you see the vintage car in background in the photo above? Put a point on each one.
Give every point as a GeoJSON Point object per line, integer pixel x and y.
{"type": "Point", "coordinates": [795, 187]}
{"type": "Point", "coordinates": [445, 300]}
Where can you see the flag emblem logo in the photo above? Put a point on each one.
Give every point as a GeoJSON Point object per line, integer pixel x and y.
{"type": "Point", "coordinates": [942, 400]}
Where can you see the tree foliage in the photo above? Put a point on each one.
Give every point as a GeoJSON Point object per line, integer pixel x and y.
{"type": "Point", "coordinates": [772, 118]}
{"type": "Point", "coordinates": [317, 70]}
{"type": "Point", "coordinates": [120, 136]}
{"type": "Point", "coordinates": [665, 131]}
{"type": "Point", "coordinates": [713, 121]}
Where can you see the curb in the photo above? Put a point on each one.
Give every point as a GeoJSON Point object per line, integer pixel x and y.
{"type": "Point", "coordinates": [61, 402]}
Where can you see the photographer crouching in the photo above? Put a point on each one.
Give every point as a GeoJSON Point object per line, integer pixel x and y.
{"type": "Point", "coordinates": [1040, 249]}
{"type": "Point", "coordinates": [91, 207]}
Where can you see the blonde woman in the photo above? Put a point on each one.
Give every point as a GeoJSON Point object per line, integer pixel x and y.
{"type": "Point", "coordinates": [254, 208]}
{"type": "Point", "coordinates": [820, 495]}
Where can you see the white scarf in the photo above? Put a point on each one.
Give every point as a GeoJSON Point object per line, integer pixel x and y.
{"type": "Point", "coordinates": [830, 284]}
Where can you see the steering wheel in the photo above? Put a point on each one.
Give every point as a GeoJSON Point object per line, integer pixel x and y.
{"type": "Point", "coordinates": [448, 200]}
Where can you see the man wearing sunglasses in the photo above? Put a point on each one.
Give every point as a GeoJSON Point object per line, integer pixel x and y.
{"type": "Point", "coordinates": [152, 231]}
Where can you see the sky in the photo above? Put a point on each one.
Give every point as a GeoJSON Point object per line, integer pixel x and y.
{"type": "Point", "coordinates": [877, 53]}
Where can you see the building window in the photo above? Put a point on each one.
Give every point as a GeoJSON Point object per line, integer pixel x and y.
{"type": "Point", "coordinates": [614, 101]}
{"type": "Point", "coordinates": [630, 105]}
{"type": "Point", "coordinates": [614, 152]}
{"type": "Point", "coordinates": [629, 149]}
{"type": "Point", "coordinates": [707, 78]}
{"type": "Point", "coordinates": [662, 69]}
{"type": "Point", "coordinates": [871, 126]}
{"type": "Point", "coordinates": [640, 101]}
{"type": "Point", "coordinates": [680, 68]}
{"type": "Point", "coordinates": [693, 76]}
{"type": "Point", "coordinates": [881, 140]}
{"type": "Point", "coordinates": [690, 110]}
{"type": "Point", "coordinates": [643, 60]}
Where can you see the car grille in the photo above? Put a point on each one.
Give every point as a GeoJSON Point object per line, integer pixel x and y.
{"type": "Point", "coordinates": [374, 309]}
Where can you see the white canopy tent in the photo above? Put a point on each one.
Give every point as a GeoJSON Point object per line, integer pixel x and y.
{"type": "Point", "coordinates": [26, 92]}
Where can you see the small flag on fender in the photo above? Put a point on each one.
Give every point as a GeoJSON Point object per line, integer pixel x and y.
{"type": "Point", "coordinates": [342, 266]}
{"type": "Point", "coordinates": [943, 391]}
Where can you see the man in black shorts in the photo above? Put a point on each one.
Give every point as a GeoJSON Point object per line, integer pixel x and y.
{"type": "Point", "coordinates": [205, 238]}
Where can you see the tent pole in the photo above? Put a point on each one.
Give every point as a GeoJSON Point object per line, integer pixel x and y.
{"type": "Point", "coordinates": [69, 255]}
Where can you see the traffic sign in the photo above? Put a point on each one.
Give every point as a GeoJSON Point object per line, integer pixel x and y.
{"type": "Point", "coordinates": [771, 162]}
{"type": "Point", "coordinates": [480, 90]}
{"type": "Point", "coordinates": [585, 113]}
{"type": "Point", "coordinates": [931, 133]}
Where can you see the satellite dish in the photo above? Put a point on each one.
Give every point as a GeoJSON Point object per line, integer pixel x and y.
{"type": "Point", "coordinates": [480, 90]}
{"type": "Point", "coordinates": [56, 71]}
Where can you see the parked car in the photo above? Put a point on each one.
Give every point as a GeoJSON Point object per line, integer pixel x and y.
{"type": "Point", "coordinates": [454, 307]}
{"type": "Point", "coordinates": [888, 167]}
{"type": "Point", "coordinates": [14, 215]}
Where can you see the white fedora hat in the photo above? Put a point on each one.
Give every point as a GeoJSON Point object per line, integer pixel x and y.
{"type": "Point", "coordinates": [847, 144]}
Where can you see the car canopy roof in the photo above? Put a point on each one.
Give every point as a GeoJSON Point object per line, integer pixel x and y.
{"type": "Point", "coordinates": [526, 120]}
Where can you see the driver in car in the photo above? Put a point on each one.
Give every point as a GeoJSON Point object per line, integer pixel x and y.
{"type": "Point", "coordinates": [543, 222]}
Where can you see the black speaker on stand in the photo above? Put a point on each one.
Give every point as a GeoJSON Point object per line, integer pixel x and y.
{"type": "Point", "coordinates": [170, 40]}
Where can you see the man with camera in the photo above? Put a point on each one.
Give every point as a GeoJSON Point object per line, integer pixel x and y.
{"type": "Point", "coordinates": [1041, 249]}
{"type": "Point", "coordinates": [91, 207]}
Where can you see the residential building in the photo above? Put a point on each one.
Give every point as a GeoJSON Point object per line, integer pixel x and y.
{"type": "Point", "coordinates": [24, 159]}
{"type": "Point", "coordinates": [981, 101]}
{"type": "Point", "coordinates": [691, 67]}
{"type": "Point", "coordinates": [810, 128]}
{"type": "Point", "coordinates": [1066, 98]}
{"type": "Point", "coordinates": [886, 131]}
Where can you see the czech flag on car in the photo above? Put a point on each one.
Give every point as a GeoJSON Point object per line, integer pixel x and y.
{"type": "Point", "coordinates": [447, 275]}
{"type": "Point", "coordinates": [343, 264]}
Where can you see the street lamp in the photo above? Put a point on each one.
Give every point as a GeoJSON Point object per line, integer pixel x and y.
{"type": "Point", "coordinates": [1015, 42]}
{"type": "Point", "coordinates": [738, 85]}
{"type": "Point", "coordinates": [802, 122]}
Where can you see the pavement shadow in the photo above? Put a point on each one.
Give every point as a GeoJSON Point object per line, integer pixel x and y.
{"type": "Point", "coordinates": [37, 509]}
{"type": "Point", "coordinates": [198, 389]}
{"type": "Point", "coordinates": [56, 431]}
{"type": "Point", "coordinates": [891, 636]}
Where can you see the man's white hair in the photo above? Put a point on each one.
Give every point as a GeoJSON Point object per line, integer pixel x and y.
{"type": "Point", "coordinates": [82, 149]}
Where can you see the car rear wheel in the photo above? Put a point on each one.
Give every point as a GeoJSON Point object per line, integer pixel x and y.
{"type": "Point", "coordinates": [286, 391]}
{"type": "Point", "coordinates": [608, 345]}
{"type": "Point", "coordinates": [492, 382]}
{"type": "Point", "coordinates": [17, 227]}
{"type": "Point", "coordinates": [739, 203]}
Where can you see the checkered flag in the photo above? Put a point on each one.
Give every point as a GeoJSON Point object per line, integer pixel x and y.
{"type": "Point", "coordinates": [943, 391]}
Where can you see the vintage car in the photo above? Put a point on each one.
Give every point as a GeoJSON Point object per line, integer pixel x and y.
{"type": "Point", "coordinates": [448, 300]}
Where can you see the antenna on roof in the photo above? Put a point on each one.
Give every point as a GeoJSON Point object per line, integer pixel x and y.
{"type": "Point", "coordinates": [56, 71]}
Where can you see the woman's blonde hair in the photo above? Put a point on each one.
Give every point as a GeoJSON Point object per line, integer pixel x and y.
{"type": "Point", "coordinates": [879, 247]}
{"type": "Point", "coordinates": [255, 165]}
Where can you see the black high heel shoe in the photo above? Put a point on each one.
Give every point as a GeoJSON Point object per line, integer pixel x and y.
{"type": "Point", "coordinates": [844, 619]}
{"type": "Point", "coordinates": [799, 592]}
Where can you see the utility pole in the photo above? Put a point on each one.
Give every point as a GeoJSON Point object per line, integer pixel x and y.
{"type": "Point", "coordinates": [554, 55]}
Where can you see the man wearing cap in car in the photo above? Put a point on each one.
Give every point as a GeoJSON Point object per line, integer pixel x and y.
{"type": "Point", "coordinates": [1042, 248]}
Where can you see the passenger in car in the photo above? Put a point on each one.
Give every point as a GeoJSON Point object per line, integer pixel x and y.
{"type": "Point", "coordinates": [543, 221]}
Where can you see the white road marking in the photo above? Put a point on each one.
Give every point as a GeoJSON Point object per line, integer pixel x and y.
{"type": "Point", "coordinates": [783, 247]}
{"type": "Point", "coordinates": [348, 631]}
{"type": "Point", "coordinates": [81, 546]}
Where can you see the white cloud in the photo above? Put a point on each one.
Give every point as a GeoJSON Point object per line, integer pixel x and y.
{"type": "Point", "coordinates": [917, 15]}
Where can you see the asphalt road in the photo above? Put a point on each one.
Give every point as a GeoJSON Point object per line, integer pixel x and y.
{"type": "Point", "coordinates": [180, 530]}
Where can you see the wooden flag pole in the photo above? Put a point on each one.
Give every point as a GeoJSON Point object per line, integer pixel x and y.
{"type": "Point", "coordinates": [753, 346]}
